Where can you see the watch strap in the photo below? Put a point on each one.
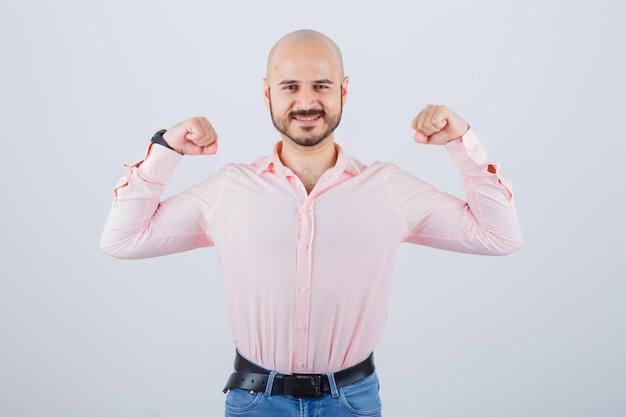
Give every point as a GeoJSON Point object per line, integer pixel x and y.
{"type": "Point", "coordinates": [158, 139]}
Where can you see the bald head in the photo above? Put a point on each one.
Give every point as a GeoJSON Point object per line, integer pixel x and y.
{"type": "Point", "coordinates": [300, 42]}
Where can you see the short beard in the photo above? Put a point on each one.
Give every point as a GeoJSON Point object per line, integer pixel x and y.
{"type": "Point", "coordinates": [283, 124]}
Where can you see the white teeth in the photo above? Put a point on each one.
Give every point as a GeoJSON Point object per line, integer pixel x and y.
{"type": "Point", "coordinates": [307, 119]}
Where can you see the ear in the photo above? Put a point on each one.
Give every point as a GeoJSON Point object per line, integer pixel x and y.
{"type": "Point", "coordinates": [266, 92]}
{"type": "Point", "coordinates": [344, 90]}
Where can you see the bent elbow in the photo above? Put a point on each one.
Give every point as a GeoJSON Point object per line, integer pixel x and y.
{"type": "Point", "coordinates": [510, 248]}
{"type": "Point", "coordinates": [117, 250]}
{"type": "Point", "coordinates": [111, 250]}
{"type": "Point", "coordinates": [508, 245]}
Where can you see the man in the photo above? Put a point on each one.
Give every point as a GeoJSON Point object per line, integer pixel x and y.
{"type": "Point", "coordinates": [306, 237]}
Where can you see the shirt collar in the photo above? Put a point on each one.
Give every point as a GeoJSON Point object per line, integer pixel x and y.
{"type": "Point", "coordinates": [272, 163]}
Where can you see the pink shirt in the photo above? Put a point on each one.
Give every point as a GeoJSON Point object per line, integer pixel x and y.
{"type": "Point", "coordinates": [308, 275]}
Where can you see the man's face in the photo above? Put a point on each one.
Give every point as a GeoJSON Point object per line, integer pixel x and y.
{"type": "Point", "coordinates": [305, 92]}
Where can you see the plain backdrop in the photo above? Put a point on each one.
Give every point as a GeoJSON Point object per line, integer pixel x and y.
{"type": "Point", "coordinates": [84, 85]}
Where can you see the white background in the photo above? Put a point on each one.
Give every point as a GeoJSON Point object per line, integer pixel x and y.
{"type": "Point", "coordinates": [84, 85]}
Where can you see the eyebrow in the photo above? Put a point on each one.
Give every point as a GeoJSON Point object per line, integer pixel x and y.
{"type": "Point", "coordinates": [324, 81]}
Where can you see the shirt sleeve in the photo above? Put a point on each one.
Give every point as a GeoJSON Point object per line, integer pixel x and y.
{"type": "Point", "coordinates": [486, 223]}
{"type": "Point", "coordinates": [140, 225]}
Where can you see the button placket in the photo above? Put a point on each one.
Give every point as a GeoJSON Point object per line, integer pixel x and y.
{"type": "Point", "coordinates": [303, 283]}
{"type": "Point", "coordinates": [304, 259]}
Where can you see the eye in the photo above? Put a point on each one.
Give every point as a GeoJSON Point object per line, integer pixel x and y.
{"type": "Point", "coordinates": [290, 87]}
{"type": "Point", "coordinates": [321, 87]}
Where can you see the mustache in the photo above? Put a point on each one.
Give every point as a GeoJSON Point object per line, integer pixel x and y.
{"type": "Point", "coordinates": [307, 113]}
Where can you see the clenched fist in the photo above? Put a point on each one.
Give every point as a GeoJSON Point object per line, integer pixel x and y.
{"type": "Point", "coordinates": [438, 125]}
{"type": "Point", "coordinates": [193, 136]}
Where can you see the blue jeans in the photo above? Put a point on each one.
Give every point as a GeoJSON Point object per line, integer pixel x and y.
{"type": "Point", "coordinates": [355, 400]}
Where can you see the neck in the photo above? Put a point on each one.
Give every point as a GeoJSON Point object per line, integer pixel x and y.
{"type": "Point", "coordinates": [308, 162]}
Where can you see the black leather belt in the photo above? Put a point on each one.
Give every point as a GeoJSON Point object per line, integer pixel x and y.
{"type": "Point", "coordinates": [250, 376]}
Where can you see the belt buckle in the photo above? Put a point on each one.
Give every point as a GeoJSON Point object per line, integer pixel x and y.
{"type": "Point", "coordinates": [318, 390]}
{"type": "Point", "coordinates": [313, 388]}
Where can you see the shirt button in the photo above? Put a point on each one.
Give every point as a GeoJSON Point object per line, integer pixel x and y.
{"type": "Point", "coordinates": [302, 289]}
{"type": "Point", "coordinates": [300, 365]}
{"type": "Point", "coordinates": [301, 327]}
{"type": "Point", "coordinates": [304, 247]}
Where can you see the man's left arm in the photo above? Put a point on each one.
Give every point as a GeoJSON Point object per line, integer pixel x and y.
{"type": "Point", "coordinates": [487, 222]}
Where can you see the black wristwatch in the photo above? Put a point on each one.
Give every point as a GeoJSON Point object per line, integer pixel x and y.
{"type": "Point", "coordinates": [158, 138]}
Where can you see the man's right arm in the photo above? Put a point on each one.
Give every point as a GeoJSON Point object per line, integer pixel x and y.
{"type": "Point", "coordinates": [139, 224]}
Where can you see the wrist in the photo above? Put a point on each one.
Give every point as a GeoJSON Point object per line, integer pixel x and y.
{"type": "Point", "coordinates": [467, 128]}
{"type": "Point", "coordinates": [158, 139]}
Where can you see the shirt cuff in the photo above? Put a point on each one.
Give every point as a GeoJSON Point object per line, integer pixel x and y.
{"type": "Point", "coordinates": [467, 152]}
{"type": "Point", "coordinates": [159, 163]}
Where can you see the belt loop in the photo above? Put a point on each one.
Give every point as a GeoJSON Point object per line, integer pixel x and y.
{"type": "Point", "coordinates": [334, 392]}
{"type": "Point", "coordinates": [270, 383]}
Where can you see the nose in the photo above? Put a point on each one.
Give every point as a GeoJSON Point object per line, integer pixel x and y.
{"type": "Point", "coordinates": [306, 99]}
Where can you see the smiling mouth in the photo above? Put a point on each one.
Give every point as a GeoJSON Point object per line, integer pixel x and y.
{"type": "Point", "coordinates": [307, 119]}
